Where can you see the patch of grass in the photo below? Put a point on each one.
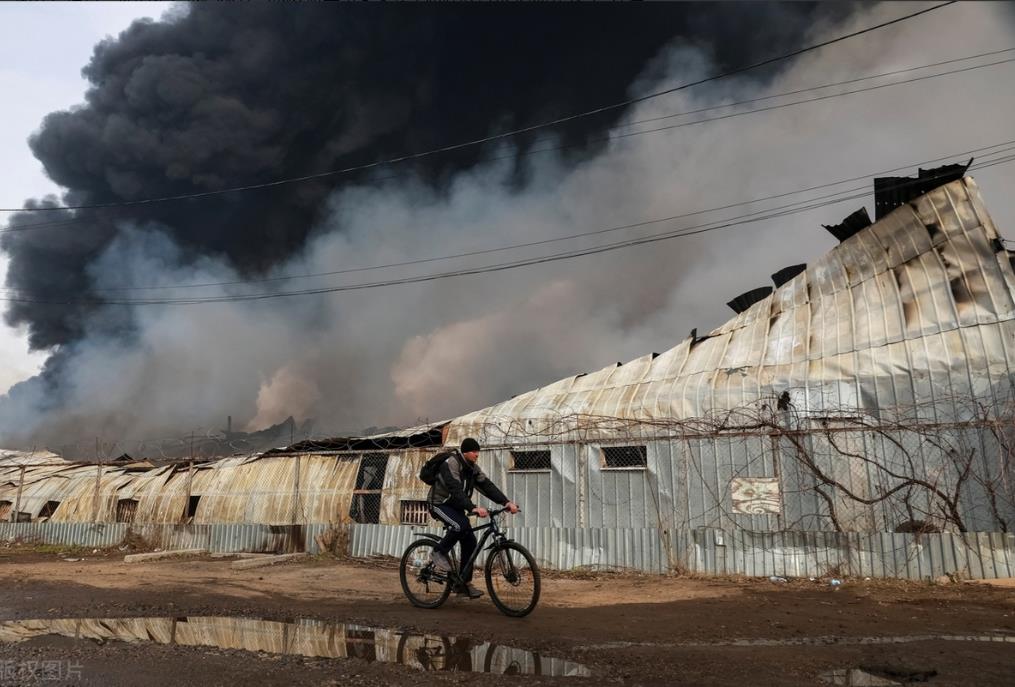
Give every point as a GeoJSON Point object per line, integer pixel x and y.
{"type": "Point", "coordinates": [20, 548]}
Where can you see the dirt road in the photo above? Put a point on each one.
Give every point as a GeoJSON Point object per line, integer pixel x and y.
{"type": "Point", "coordinates": [197, 621]}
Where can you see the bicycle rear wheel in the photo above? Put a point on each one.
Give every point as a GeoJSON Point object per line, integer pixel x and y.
{"type": "Point", "coordinates": [512, 578]}
{"type": "Point", "coordinates": [423, 584]}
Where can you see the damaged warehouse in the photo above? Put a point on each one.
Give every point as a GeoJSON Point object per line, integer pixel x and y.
{"type": "Point", "coordinates": [856, 417]}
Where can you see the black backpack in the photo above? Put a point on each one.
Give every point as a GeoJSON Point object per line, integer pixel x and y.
{"type": "Point", "coordinates": [431, 468]}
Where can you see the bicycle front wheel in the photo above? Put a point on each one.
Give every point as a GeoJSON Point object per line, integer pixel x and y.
{"type": "Point", "coordinates": [512, 578]}
{"type": "Point", "coordinates": [423, 584]}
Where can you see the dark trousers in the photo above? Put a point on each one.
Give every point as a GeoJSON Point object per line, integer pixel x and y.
{"type": "Point", "coordinates": [459, 532]}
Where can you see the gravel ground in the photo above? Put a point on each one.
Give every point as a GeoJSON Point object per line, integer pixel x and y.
{"type": "Point", "coordinates": [627, 629]}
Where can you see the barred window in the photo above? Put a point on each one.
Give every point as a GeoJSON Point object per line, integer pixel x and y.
{"type": "Point", "coordinates": [625, 457]}
{"type": "Point", "coordinates": [530, 460]}
{"type": "Point", "coordinates": [5, 510]}
{"type": "Point", "coordinates": [415, 512]}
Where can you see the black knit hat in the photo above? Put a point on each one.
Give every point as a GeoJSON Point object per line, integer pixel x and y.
{"type": "Point", "coordinates": [470, 444]}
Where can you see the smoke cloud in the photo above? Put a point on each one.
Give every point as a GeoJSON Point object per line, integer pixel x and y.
{"type": "Point", "coordinates": [219, 97]}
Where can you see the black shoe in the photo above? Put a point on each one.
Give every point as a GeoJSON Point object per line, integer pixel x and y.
{"type": "Point", "coordinates": [468, 590]}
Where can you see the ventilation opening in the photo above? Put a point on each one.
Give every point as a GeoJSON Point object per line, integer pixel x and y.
{"type": "Point", "coordinates": [530, 460]}
{"type": "Point", "coordinates": [192, 507]}
{"type": "Point", "coordinates": [48, 510]}
{"type": "Point", "coordinates": [415, 512]}
{"type": "Point", "coordinates": [625, 457]}
{"type": "Point", "coordinates": [366, 498]}
{"type": "Point", "coordinates": [126, 510]}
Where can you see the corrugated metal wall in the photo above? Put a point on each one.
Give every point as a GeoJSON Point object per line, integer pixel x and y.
{"type": "Point", "coordinates": [710, 551]}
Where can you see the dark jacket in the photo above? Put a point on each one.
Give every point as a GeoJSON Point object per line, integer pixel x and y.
{"type": "Point", "coordinates": [456, 480]}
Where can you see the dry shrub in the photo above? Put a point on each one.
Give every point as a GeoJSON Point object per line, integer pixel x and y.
{"type": "Point", "coordinates": [336, 540]}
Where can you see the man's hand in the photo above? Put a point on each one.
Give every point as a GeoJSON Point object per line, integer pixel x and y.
{"type": "Point", "coordinates": [481, 512]}
{"type": "Point", "coordinates": [512, 506]}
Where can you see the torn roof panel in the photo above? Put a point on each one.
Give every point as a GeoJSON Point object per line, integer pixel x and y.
{"type": "Point", "coordinates": [421, 436]}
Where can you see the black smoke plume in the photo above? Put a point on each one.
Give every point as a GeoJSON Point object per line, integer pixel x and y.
{"type": "Point", "coordinates": [220, 95]}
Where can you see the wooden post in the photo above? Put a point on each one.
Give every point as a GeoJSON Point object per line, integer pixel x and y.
{"type": "Point", "coordinates": [98, 481]}
{"type": "Point", "coordinates": [296, 491]}
{"type": "Point", "coordinates": [15, 514]}
{"type": "Point", "coordinates": [190, 489]}
{"type": "Point", "coordinates": [190, 476]}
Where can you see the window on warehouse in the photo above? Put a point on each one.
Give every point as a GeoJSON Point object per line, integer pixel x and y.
{"type": "Point", "coordinates": [625, 457]}
{"type": "Point", "coordinates": [530, 461]}
{"type": "Point", "coordinates": [366, 497]}
{"type": "Point", "coordinates": [415, 512]}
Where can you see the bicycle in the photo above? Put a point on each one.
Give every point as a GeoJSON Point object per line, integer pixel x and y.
{"type": "Point", "coordinates": [512, 576]}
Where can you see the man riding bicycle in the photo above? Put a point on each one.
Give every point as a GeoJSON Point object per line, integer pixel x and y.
{"type": "Point", "coordinates": [450, 502]}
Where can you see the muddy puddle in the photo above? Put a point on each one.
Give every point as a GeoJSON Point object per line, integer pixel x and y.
{"type": "Point", "coordinates": [1000, 636]}
{"type": "Point", "coordinates": [824, 641]}
{"type": "Point", "coordinates": [309, 638]}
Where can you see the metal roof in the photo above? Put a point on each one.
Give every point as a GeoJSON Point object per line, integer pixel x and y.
{"type": "Point", "coordinates": [914, 310]}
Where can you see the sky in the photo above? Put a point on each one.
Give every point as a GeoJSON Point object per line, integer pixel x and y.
{"type": "Point", "coordinates": [221, 98]}
{"type": "Point", "coordinates": [43, 47]}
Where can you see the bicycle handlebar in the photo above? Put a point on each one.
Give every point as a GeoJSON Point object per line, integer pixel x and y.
{"type": "Point", "coordinates": [498, 511]}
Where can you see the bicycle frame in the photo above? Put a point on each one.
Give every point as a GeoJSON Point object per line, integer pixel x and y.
{"type": "Point", "coordinates": [508, 564]}
{"type": "Point", "coordinates": [490, 529]}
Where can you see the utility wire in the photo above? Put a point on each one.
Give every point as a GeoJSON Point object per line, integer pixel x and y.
{"type": "Point", "coordinates": [814, 99]}
{"type": "Point", "coordinates": [493, 137]}
{"type": "Point", "coordinates": [1000, 148]}
{"type": "Point", "coordinates": [807, 89]}
{"type": "Point", "coordinates": [629, 134]}
{"type": "Point", "coordinates": [499, 267]}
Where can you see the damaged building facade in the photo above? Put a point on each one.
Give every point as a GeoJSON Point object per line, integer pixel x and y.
{"type": "Point", "coordinates": [856, 418]}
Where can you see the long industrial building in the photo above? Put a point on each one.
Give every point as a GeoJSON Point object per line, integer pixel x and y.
{"type": "Point", "coordinates": [855, 419]}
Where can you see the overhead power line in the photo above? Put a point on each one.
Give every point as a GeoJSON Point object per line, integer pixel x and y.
{"type": "Point", "coordinates": [629, 134]}
{"type": "Point", "coordinates": [845, 82]}
{"type": "Point", "coordinates": [760, 215]}
{"type": "Point", "coordinates": [494, 137]}
{"type": "Point", "coordinates": [994, 150]}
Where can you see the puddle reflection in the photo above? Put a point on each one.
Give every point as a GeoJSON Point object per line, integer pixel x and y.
{"type": "Point", "coordinates": [310, 638]}
{"type": "Point", "coordinates": [854, 677]}
{"type": "Point", "coordinates": [875, 677]}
